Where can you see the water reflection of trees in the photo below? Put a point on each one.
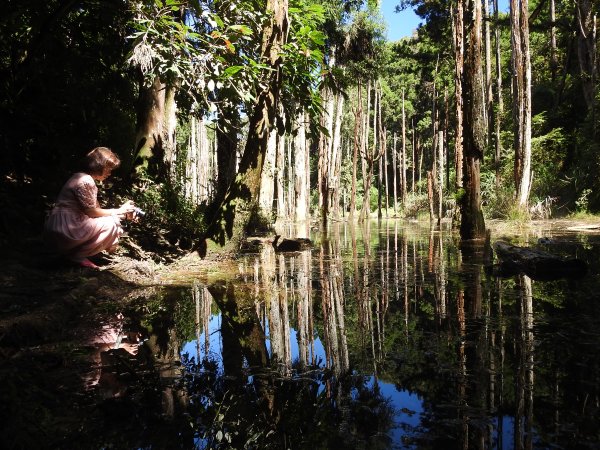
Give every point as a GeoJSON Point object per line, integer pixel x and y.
{"type": "Point", "coordinates": [389, 307]}
{"type": "Point", "coordinates": [261, 397]}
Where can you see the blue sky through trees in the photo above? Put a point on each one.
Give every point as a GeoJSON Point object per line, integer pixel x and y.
{"type": "Point", "coordinates": [404, 23]}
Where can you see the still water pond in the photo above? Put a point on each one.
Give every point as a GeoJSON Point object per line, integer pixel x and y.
{"type": "Point", "coordinates": [385, 336]}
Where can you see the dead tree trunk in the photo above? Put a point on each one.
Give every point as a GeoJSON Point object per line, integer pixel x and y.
{"type": "Point", "coordinates": [301, 172]}
{"type": "Point", "coordinates": [395, 171]}
{"type": "Point", "coordinates": [403, 155]}
{"type": "Point", "coordinates": [335, 161]}
{"type": "Point", "coordinates": [356, 147]}
{"type": "Point", "coordinates": [440, 181]}
{"type": "Point", "coordinates": [521, 66]}
{"type": "Point", "coordinates": [500, 103]}
{"type": "Point", "coordinates": [458, 81]}
{"type": "Point", "coordinates": [431, 196]}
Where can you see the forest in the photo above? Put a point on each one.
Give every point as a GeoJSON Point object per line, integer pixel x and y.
{"type": "Point", "coordinates": [230, 116]}
{"type": "Point", "coordinates": [387, 167]}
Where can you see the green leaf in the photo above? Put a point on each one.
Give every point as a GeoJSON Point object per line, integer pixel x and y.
{"type": "Point", "coordinates": [317, 37]}
{"type": "Point", "coordinates": [243, 29]}
{"type": "Point", "coordinates": [232, 70]}
{"type": "Point", "coordinates": [219, 21]}
{"type": "Point", "coordinates": [316, 9]}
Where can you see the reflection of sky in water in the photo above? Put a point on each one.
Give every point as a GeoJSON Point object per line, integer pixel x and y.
{"type": "Point", "coordinates": [417, 323]}
{"type": "Point", "coordinates": [215, 349]}
{"type": "Point", "coordinates": [408, 406]}
{"type": "Point", "coordinates": [508, 435]}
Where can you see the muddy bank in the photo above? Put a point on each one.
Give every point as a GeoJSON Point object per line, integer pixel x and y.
{"type": "Point", "coordinates": [68, 354]}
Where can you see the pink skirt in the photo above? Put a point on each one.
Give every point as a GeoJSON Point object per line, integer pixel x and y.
{"type": "Point", "coordinates": [77, 236]}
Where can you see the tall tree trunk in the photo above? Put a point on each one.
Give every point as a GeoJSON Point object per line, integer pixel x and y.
{"type": "Point", "coordinates": [395, 169]}
{"type": "Point", "coordinates": [356, 147]}
{"type": "Point", "coordinates": [326, 144]}
{"type": "Point", "coordinates": [489, 93]}
{"type": "Point", "coordinates": [403, 155]}
{"type": "Point", "coordinates": [458, 81]}
{"type": "Point", "coordinates": [521, 66]}
{"type": "Point", "coordinates": [323, 164]}
{"type": "Point", "coordinates": [191, 160]}
{"type": "Point", "coordinates": [472, 224]}
{"type": "Point", "coordinates": [366, 164]}
{"type": "Point", "coordinates": [434, 111]}
{"type": "Point", "coordinates": [499, 99]}
{"type": "Point", "coordinates": [290, 204]}
{"type": "Point", "coordinates": [267, 180]}
{"type": "Point", "coordinates": [280, 173]}
{"type": "Point", "coordinates": [440, 181]}
{"type": "Point", "coordinates": [420, 171]}
{"type": "Point", "coordinates": [385, 172]}
{"type": "Point", "coordinates": [302, 175]}
{"type": "Point", "coordinates": [553, 51]}
{"type": "Point", "coordinates": [446, 127]}
{"type": "Point", "coordinates": [229, 224]}
{"type": "Point", "coordinates": [586, 51]}
{"type": "Point", "coordinates": [335, 163]}
{"type": "Point", "coordinates": [379, 189]}
{"type": "Point", "coordinates": [376, 142]}
{"type": "Point", "coordinates": [431, 197]}
{"type": "Point", "coordinates": [414, 154]}
{"type": "Point", "coordinates": [205, 168]}
{"type": "Point", "coordinates": [168, 132]}
{"type": "Point", "coordinates": [371, 155]}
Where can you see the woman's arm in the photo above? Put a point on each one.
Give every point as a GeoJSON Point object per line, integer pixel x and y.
{"type": "Point", "coordinates": [86, 192]}
{"type": "Point", "coordinates": [127, 207]}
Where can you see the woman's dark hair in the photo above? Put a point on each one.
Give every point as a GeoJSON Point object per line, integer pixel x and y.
{"type": "Point", "coordinates": [99, 159]}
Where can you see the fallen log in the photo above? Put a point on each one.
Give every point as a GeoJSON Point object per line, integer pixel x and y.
{"type": "Point", "coordinates": [590, 228]}
{"type": "Point", "coordinates": [536, 264]}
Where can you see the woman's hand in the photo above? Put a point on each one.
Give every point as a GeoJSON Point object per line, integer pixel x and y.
{"type": "Point", "coordinates": [126, 208]}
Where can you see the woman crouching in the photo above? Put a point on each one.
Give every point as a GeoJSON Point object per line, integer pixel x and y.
{"type": "Point", "coordinates": [77, 227]}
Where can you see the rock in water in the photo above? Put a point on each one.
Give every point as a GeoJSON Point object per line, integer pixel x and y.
{"type": "Point", "coordinates": [536, 264]}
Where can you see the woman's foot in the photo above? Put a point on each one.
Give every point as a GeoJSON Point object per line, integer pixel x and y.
{"type": "Point", "coordinates": [87, 263]}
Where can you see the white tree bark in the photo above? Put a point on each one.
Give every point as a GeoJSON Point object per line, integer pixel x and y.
{"type": "Point", "coordinates": [280, 178]}
{"type": "Point", "coordinates": [267, 182]}
{"type": "Point", "coordinates": [301, 171]}
{"type": "Point", "coordinates": [336, 157]}
{"type": "Point", "coordinates": [521, 65]}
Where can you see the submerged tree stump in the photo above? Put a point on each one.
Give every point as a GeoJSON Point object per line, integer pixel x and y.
{"type": "Point", "coordinates": [536, 264]}
{"type": "Point", "coordinates": [279, 244]}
